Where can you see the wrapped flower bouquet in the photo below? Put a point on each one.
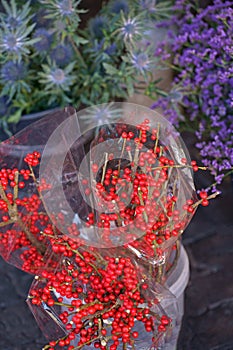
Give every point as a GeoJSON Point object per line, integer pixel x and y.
{"type": "Point", "coordinates": [94, 206]}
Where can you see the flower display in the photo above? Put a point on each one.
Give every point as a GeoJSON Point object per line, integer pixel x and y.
{"type": "Point", "coordinates": [201, 97]}
{"type": "Point", "coordinates": [97, 218]}
{"type": "Point", "coordinates": [103, 52]}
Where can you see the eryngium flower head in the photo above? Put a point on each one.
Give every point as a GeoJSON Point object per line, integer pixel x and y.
{"type": "Point", "coordinates": [14, 76]}
{"type": "Point", "coordinates": [96, 26]}
{"type": "Point", "coordinates": [55, 77]}
{"type": "Point", "coordinates": [16, 42]}
{"type": "Point", "coordinates": [14, 17]}
{"type": "Point", "coordinates": [45, 39]}
{"type": "Point", "coordinates": [103, 114]}
{"type": "Point", "coordinates": [13, 72]}
{"type": "Point", "coordinates": [62, 54]}
{"type": "Point", "coordinates": [141, 62]}
{"type": "Point", "coordinates": [63, 9]}
{"type": "Point", "coordinates": [41, 20]}
{"type": "Point", "coordinates": [131, 28]}
{"type": "Point", "coordinates": [66, 7]}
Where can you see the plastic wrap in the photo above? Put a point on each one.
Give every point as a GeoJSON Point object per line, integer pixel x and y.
{"type": "Point", "coordinates": [107, 193]}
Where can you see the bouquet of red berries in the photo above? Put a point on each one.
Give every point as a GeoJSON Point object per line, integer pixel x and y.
{"type": "Point", "coordinates": [95, 211]}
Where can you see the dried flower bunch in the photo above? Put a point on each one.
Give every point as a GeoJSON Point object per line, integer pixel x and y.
{"type": "Point", "coordinates": [48, 61]}
{"type": "Point", "coordinates": [101, 283]}
{"type": "Point", "coordinates": [201, 99]}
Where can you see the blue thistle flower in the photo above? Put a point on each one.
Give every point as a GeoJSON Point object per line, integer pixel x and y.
{"type": "Point", "coordinates": [13, 72]}
{"type": "Point", "coordinates": [120, 5]}
{"type": "Point", "coordinates": [65, 7]}
{"type": "Point", "coordinates": [62, 9]}
{"type": "Point", "coordinates": [96, 26]}
{"type": "Point", "coordinates": [45, 39]}
{"type": "Point", "coordinates": [130, 28]}
{"type": "Point", "coordinates": [14, 77]}
{"type": "Point", "coordinates": [101, 114]}
{"type": "Point", "coordinates": [41, 20]}
{"type": "Point", "coordinates": [55, 77]}
{"type": "Point", "coordinates": [14, 17]}
{"type": "Point", "coordinates": [141, 62]}
{"type": "Point", "coordinates": [62, 54]}
{"type": "Point", "coordinates": [15, 42]}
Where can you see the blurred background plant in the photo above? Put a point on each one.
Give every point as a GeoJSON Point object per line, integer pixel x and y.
{"type": "Point", "coordinates": [48, 60]}
{"type": "Point", "coordinates": [200, 101]}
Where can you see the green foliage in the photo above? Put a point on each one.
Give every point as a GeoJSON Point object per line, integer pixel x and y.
{"type": "Point", "coordinates": [67, 65]}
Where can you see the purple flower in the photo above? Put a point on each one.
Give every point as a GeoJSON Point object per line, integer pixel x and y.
{"type": "Point", "coordinates": [45, 39]}
{"type": "Point", "coordinates": [202, 52]}
{"type": "Point", "coordinates": [96, 26]}
{"type": "Point", "coordinates": [13, 72]}
{"type": "Point", "coordinates": [141, 62]}
{"type": "Point", "coordinates": [62, 55]}
{"type": "Point", "coordinates": [41, 20]}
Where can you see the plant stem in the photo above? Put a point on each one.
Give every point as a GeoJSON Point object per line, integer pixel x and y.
{"type": "Point", "coordinates": [104, 168]}
{"type": "Point", "coordinates": [178, 166]}
{"type": "Point", "coordinates": [214, 195]}
{"type": "Point", "coordinates": [15, 218]}
{"type": "Point", "coordinates": [157, 138]}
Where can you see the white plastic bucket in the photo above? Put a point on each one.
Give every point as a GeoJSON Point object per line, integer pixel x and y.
{"type": "Point", "coordinates": [177, 282]}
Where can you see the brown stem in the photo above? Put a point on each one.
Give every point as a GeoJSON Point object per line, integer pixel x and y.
{"type": "Point", "coordinates": [122, 152]}
{"type": "Point", "coordinates": [16, 189]}
{"type": "Point", "coordinates": [159, 273]}
{"type": "Point", "coordinates": [81, 256]}
{"type": "Point", "coordinates": [143, 204]}
{"type": "Point", "coordinates": [14, 218]}
{"type": "Point", "coordinates": [3, 195]}
{"type": "Point", "coordinates": [2, 224]}
{"type": "Point", "coordinates": [157, 139]}
{"type": "Point", "coordinates": [214, 195]}
{"type": "Point", "coordinates": [104, 168]}
{"type": "Point", "coordinates": [88, 342]}
{"type": "Point", "coordinates": [39, 246]}
{"type": "Point", "coordinates": [178, 166]}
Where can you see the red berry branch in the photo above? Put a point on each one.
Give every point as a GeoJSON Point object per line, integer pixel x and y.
{"type": "Point", "coordinates": [107, 298]}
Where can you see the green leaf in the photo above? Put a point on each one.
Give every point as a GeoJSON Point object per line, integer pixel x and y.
{"type": "Point", "coordinates": [130, 87]}
{"type": "Point", "coordinates": [79, 40]}
{"type": "Point", "coordinates": [111, 70]}
{"type": "Point", "coordinates": [14, 118]}
{"type": "Point", "coordinates": [85, 100]}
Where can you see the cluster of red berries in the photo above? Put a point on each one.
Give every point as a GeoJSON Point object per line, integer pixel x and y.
{"type": "Point", "coordinates": [140, 195]}
{"type": "Point", "coordinates": [100, 296]}
{"type": "Point", "coordinates": [102, 300]}
{"type": "Point", "coordinates": [22, 218]}
{"type": "Point", "coordinates": [32, 159]}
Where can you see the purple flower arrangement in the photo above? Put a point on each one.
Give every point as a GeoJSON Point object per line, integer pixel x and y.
{"type": "Point", "coordinates": [201, 98]}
